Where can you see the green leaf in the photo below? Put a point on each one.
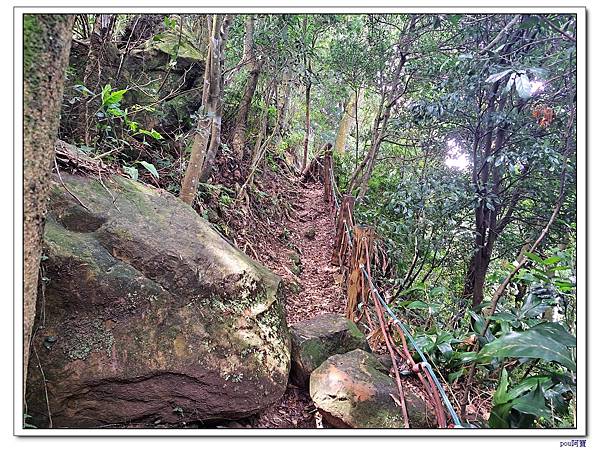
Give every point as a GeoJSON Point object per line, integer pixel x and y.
{"type": "Point", "coordinates": [106, 92]}
{"type": "Point", "coordinates": [523, 86]}
{"type": "Point", "coordinates": [417, 305]}
{"type": "Point", "coordinates": [498, 76]}
{"type": "Point", "coordinates": [503, 317]}
{"type": "Point", "coordinates": [456, 375]}
{"type": "Point", "coordinates": [500, 395]}
{"type": "Point", "coordinates": [465, 357]}
{"type": "Point", "coordinates": [533, 403]}
{"type": "Point", "coordinates": [133, 126]}
{"type": "Point", "coordinates": [131, 171]}
{"type": "Point", "coordinates": [170, 23]}
{"type": "Point", "coordinates": [153, 133]}
{"type": "Point", "coordinates": [556, 332]}
{"type": "Point", "coordinates": [533, 306]}
{"type": "Point", "coordinates": [114, 97]}
{"type": "Point", "coordinates": [150, 168]}
{"type": "Point", "coordinates": [445, 349]}
{"type": "Point", "coordinates": [527, 384]}
{"type": "Point", "coordinates": [478, 322]}
{"type": "Point", "coordinates": [438, 291]}
{"type": "Point", "coordinates": [454, 18]}
{"type": "Point", "coordinates": [115, 111]}
{"type": "Point", "coordinates": [499, 416]}
{"type": "Point", "coordinates": [534, 257]}
{"type": "Point", "coordinates": [425, 342]}
{"type": "Point", "coordinates": [552, 260]}
{"type": "Point", "coordinates": [528, 344]}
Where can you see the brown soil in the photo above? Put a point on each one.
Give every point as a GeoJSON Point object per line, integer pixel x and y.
{"type": "Point", "coordinates": [309, 233]}
{"type": "Point", "coordinates": [312, 234]}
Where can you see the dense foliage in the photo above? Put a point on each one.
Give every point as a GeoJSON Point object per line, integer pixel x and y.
{"type": "Point", "coordinates": [461, 153]}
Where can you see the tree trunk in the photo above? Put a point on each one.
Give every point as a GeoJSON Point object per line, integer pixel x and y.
{"type": "Point", "coordinates": [379, 131]}
{"type": "Point", "coordinates": [345, 125]}
{"type": "Point", "coordinates": [283, 112]}
{"type": "Point", "coordinates": [248, 55]}
{"type": "Point", "coordinates": [189, 186]}
{"type": "Point", "coordinates": [216, 100]}
{"type": "Point", "coordinates": [475, 279]}
{"type": "Point", "coordinates": [306, 126]}
{"type": "Point", "coordinates": [358, 171]}
{"type": "Point", "coordinates": [259, 147]}
{"type": "Point", "coordinates": [487, 226]}
{"type": "Point", "coordinates": [363, 172]}
{"type": "Point", "coordinates": [46, 46]}
{"type": "Point", "coordinates": [239, 132]}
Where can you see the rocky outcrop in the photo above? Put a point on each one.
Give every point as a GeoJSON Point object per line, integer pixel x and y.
{"type": "Point", "coordinates": [168, 69]}
{"type": "Point", "coordinates": [354, 390]}
{"type": "Point", "coordinates": [147, 314]}
{"type": "Point", "coordinates": [315, 340]}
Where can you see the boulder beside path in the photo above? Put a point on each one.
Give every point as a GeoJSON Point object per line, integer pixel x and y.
{"type": "Point", "coordinates": [147, 315]}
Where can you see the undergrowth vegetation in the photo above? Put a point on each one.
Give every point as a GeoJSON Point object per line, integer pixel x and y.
{"type": "Point", "coordinates": [459, 149]}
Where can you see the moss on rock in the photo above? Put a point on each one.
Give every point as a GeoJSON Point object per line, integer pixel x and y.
{"type": "Point", "coordinates": [315, 340]}
{"type": "Point", "coordinates": [142, 290]}
{"type": "Point", "coordinates": [355, 390]}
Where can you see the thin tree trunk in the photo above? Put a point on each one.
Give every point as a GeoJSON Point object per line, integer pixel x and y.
{"type": "Point", "coordinates": [486, 218]}
{"type": "Point", "coordinates": [259, 147]}
{"type": "Point", "coordinates": [306, 126]}
{"type": "Point", "coordinates": [358, 171]}
{"type": "Point", "coordinates": [207, 63]}
{"type": "Point", "coordinates": [282, 113]}
{"type": "Point", "coordinates": [46, 46]}
{"type": "Point", "coordinates": [189, 186]}
{"type": "Point", "coordinates": [362, 174]}
{"type": "Point", "coordinates": [239, 132]}
{"type": "Point", "coordinates": [345, 124]}
{"type": "Point", "coordinates": [357, 128]}
{"type": "Point", "coordinates": [216, 97]}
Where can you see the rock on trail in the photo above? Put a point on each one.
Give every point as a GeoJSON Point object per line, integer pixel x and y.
{"type": "Point", "coordinates": [355, 390]}
{"type": "Point", "coordinates": [315, 340]}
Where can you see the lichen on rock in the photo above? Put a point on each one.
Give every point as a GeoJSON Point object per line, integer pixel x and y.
{"type": "Point", "coordinates": [314, 340]}
{"type": "Point", "coordinates": [150, 307]}
{"type": "Point", "coordinates": [355, 390]}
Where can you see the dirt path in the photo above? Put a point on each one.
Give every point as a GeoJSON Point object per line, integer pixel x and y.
{"type": "Point", "coordinates": [311, 235]}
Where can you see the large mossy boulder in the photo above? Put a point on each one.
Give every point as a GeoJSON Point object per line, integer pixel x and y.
{"type": "Point", "coordinates": [315, 340]}
{"type": "Point", "coordinates": [147, 315]}
{"type": "Point", "coordinates": [354, 390]}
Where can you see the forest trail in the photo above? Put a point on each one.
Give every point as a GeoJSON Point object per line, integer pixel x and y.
{"type": "Point", "coordinates": [312, 232]}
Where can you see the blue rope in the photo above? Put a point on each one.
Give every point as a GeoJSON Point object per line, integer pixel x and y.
{"type": "Point", "coordinates": [348, 233]}
{"type": "Point", "coordinates": [333, 186]}
{"type": "Point", "coordinates": [455, 418]}
{"type": "Point", "coordinates": [426, 364]}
